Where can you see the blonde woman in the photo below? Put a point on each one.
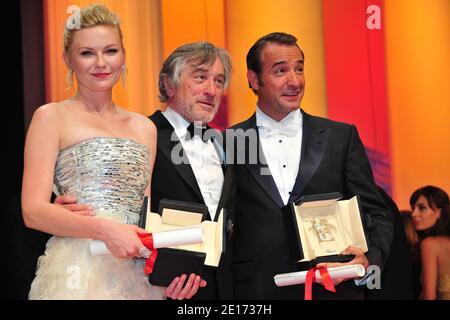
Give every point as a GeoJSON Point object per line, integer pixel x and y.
{"type": "Point", "coordinates": [95, 150]}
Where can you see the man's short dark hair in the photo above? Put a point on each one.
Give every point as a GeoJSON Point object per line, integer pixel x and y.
{"type": "Point", "coordinates": [254, 54]}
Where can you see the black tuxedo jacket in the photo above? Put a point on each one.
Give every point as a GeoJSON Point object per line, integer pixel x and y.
{"type": "Point", "coordinates": [177, 182]}
{"type": "Point", "coordinates": [333, 159]}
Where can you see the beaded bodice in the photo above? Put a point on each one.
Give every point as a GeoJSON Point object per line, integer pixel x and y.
{"type": "Point", "coordinates": [109, 174]}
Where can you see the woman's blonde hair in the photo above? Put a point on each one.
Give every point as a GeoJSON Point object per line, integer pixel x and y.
{"type": "Point", "coordinates": [91, 16]}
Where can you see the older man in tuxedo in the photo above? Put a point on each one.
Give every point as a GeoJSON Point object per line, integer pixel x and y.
{"type": "Point", "coordinates": [300, 155]}
{"type": "Point", "coordinates": [189, 163]}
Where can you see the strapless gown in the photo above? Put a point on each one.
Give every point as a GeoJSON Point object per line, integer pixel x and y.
{"type": "Point", "coordinates": [109, 174]}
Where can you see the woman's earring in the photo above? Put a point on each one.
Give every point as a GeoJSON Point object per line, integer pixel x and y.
{"type": "Point", "coordinates": [124, 75]}
{"type": "Point", "coordinates": [69, 78]}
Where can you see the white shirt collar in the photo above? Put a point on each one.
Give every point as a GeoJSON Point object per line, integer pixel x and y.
{"type": "Point", "coordinates": [263, 119]}
{"type": "Point", "coordinates": [178, 122]}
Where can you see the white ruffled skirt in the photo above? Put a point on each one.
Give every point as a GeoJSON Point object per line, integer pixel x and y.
{"type": "Point", "coordinates": [68, 271]}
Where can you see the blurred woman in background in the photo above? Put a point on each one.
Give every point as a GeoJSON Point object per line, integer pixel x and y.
{"type": "Point", "coordinates": [431, 217]}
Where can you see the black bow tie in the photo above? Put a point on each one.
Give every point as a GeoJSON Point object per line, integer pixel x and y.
{"type": "Point", "coordinates": [197, 131]}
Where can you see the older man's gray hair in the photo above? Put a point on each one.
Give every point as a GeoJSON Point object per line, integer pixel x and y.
{"type": "Point", "coordinates": [197, 53]}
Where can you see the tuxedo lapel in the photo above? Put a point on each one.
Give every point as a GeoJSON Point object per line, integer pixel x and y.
{"type": "Point", "coordinates": [166, 145]}
{"type": "Point", "coordinates": [218, 144]}
{"type": "Point", "coordinates": [224, 196]}
{"type": "Point", "coordinates": [260, 170]}
{"type": "Point", "coordinates": [314, 143]}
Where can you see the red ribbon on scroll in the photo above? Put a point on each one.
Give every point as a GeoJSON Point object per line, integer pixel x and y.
{"type": "Point", "coordinates": [147, 241]}
{"type": "Point", "coordinates": [311, 277]}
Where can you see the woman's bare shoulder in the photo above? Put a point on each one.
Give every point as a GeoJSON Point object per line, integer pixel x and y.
{"type": "Point", "coordinates": [432, 243]}
{"type": "Point", "coordinates": [140, 121]}
{"type": "Point", "coordinates": [142, 126]}
{"type": "Point", "coordinates": [53, 110]}
{"type": "Point", "coordinates": [55, 107]}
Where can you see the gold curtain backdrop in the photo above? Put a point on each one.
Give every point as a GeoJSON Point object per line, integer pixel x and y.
{"type": "Point", "coordinates": [248, 20]}
{"type": "Point", "coordinates": [194, 20]}
{"type": "Point", "coordinates": [418, 70]}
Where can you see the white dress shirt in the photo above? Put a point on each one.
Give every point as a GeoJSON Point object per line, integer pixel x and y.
{"type": "Point", "coordinates": [205, 162]}
{"type": "Point", "coordinates": [281, 143]}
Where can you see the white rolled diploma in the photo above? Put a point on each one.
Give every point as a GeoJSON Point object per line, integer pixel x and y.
{"type": "Point", "coordinates": [346, 272]}
{"type": "Point", "coordinates": [163, 239]}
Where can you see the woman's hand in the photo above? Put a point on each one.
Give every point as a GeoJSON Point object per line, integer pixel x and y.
{"type": "Point", "coordinates": [122, 239]}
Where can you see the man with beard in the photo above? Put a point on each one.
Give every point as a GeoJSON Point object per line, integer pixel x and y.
{"type": "Point", "coordinates": [189, 163]}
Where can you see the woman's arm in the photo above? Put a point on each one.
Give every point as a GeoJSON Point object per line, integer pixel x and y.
{"type": "Point", "coordinates": [151, 143]}
{"type": "Point", "coordinates": [429, 258]}
{"type": "Point", "coordinates": [41, 152]}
